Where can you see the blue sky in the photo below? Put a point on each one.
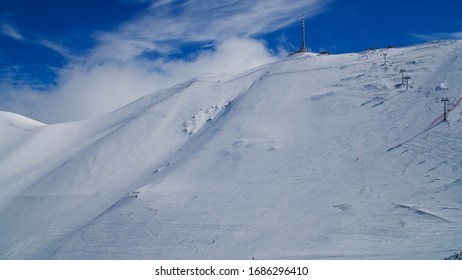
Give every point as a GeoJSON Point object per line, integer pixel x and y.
{"type": "Point", "coordinates": [67, 60]}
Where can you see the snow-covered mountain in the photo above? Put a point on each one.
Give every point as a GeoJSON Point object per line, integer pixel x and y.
{"type": "Point", "coordinates": [309, 157]}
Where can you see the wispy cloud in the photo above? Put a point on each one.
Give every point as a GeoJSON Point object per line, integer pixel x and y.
{"type": "Point", "coordinates": [56, 47]}
{"type": "Point", "coordinates": [117, 70]}
{"type": "Point", "coordinates": [88, 90]}
{"type": "Point", "coordinates": [167, 24]}
{"type": "Point", "coordinates": [10, 31]}
{"type": "Point", "coordinates": [438, 36]}
{"type": "Point", "coordinates": [15, 33]}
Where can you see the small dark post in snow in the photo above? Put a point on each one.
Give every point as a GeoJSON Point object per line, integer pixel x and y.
{"type": "Point", "coordinates": [445, 99]}
{"type": "Point", "coordinates": [407, 81]}
{"type": "Point", "coordinates": [385, 59]}
{"type": "Point", "coordinates": [402, 71]}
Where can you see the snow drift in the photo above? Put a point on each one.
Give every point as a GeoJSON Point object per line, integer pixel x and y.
{"type": "Point", "coordinates": [308, 157]}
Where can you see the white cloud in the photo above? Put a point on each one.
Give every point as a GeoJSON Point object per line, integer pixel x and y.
{"type": "Point", "coordinates": [88, 90]}
{"type": "Point", "coordinates": [10, 31]}
{"type": "Point", "coordinates": [168, 23]}
{"type": "Point", "coordinates": [438, 36]}
{"type": "Point", "coordinates": [15, 33]}
{"type": "Point", "coordinates": [56, 47]}
{"type": "Point", "coordinates": [115, 72]}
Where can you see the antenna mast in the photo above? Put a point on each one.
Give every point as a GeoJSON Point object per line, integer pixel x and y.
{"type": "Point", "coordinates": [303, 48]}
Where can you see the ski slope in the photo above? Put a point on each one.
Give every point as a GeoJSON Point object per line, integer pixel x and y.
{"type": "Point", "coordinates": [310, 157]}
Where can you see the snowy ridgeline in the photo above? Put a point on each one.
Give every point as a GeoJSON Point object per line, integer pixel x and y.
{"type": "Point", "coordinates": [306, 158]}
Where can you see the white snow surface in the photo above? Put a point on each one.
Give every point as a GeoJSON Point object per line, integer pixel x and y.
{"type": "Point", "coordinates": [310, 157]}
